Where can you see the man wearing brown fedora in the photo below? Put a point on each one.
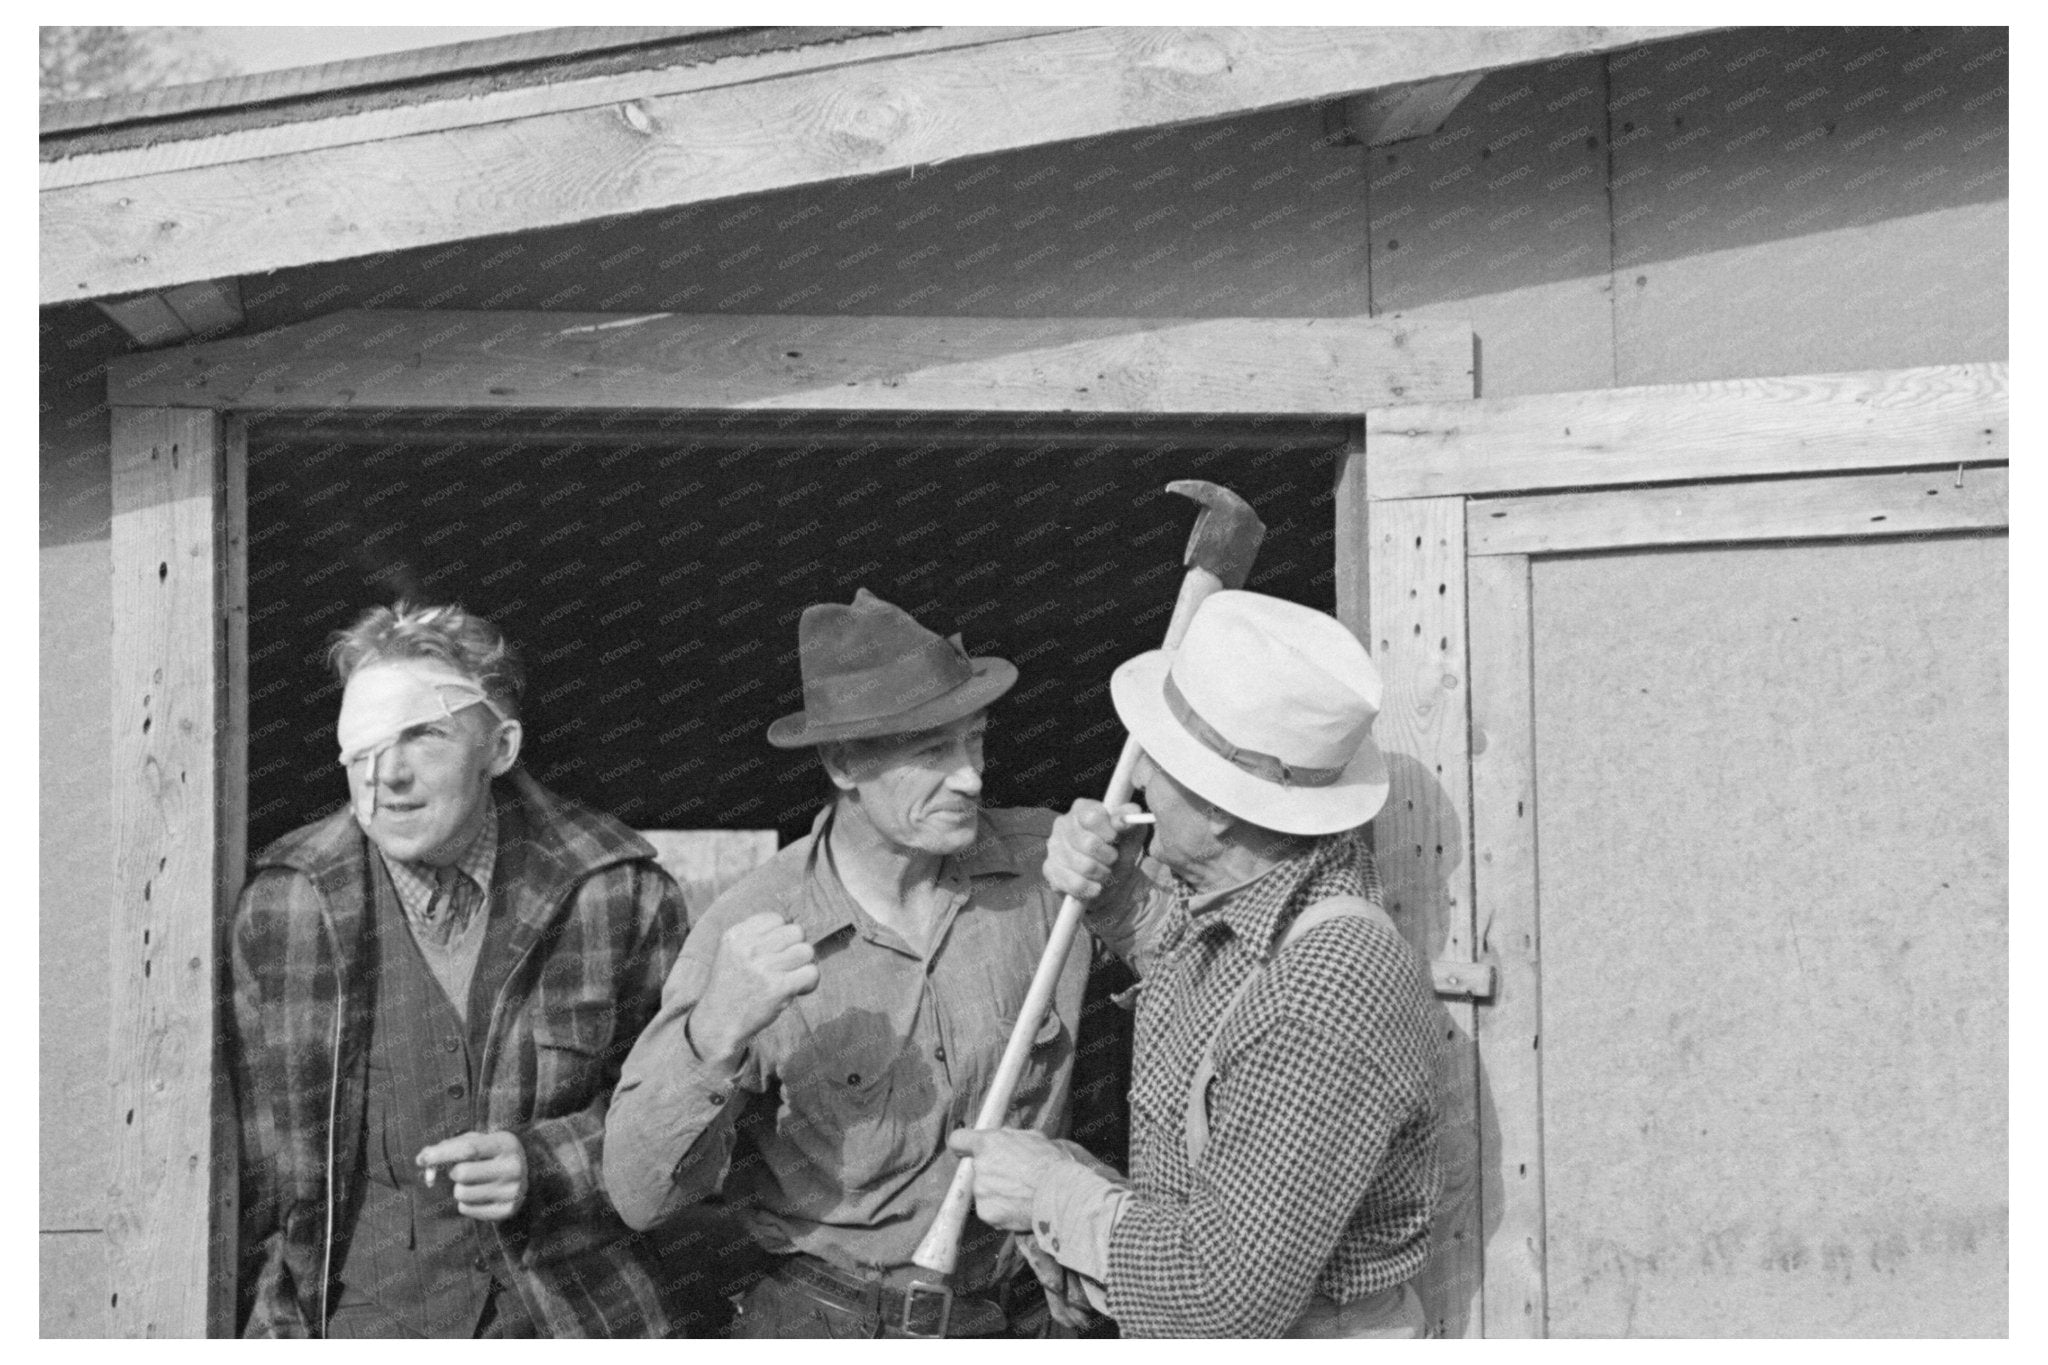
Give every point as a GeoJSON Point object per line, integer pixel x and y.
{"type": "Point", "coordinates": [840, 1010]}
{"type": "Point", "coordinates": [1283, 1103]}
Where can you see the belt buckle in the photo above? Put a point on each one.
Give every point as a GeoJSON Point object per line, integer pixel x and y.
{"type": "Point", "coordinates": [916, 1300]}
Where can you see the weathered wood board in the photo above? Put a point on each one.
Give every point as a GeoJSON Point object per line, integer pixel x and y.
{"type": "Point", "coordinates": [679, 362]}
{"type": "Point", "coordinates": [145, 232]}
{"type": "Point", "coordinates": [177, 801]}
{"type": "Point", "coordinates": [1676, 433]}
{"type": "Point", "coordinates": [238, 134]}
{"type": "Point", "coordinates": [1777, 509]}
{"type": "Point", "coordinates": [1509, 1028]}
{"type": "Point", "coordinates": [1772, 810]}
{"type": "Point", "coordinates": [1417, 638]}
{"type": "Point", "coordinates": [705, 862]}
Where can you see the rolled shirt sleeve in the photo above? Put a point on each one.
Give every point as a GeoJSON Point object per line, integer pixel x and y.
{"type": "Point", "coordinates": [1073, 1211]}
{"type": "Point", "coordinates": [669, 1134]}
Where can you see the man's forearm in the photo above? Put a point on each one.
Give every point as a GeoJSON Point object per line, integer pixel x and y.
{"type": "Point", "coordinates": [1073, 1211]}
{"type": "Point", "coordinates": [669, 1132]}
{"type": "Point", "coordinates": [1131, 914]}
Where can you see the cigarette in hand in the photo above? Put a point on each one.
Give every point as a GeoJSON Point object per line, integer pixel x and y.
{"type": "Point", "coordinates": [1143, 817]}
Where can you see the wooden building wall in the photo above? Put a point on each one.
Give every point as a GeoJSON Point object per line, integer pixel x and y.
{"type": "Point", "coordinates": [1772, 814]}
{"type": "Point", "coordinates": [1755, 202]}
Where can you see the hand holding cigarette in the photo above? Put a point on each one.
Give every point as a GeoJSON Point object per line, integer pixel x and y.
{"type": "Point", "coordinates": [1081, 851]}
{"type": "Point", "coordinates": [487, 1171]}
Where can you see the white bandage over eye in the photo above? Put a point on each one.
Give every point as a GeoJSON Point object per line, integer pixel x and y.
{"type": "Point", "coordinates": [383, 701]}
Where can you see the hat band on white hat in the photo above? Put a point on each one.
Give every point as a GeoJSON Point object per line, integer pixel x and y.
{"type": "Point", "coordinates": [1263, 766]}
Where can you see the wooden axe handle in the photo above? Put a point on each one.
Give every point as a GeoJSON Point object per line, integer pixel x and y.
{"type": "Point", "coordinates": [940, 1249]}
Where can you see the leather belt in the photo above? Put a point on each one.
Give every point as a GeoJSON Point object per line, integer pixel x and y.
{"type": "Point", "coordinates": [919, 1311]}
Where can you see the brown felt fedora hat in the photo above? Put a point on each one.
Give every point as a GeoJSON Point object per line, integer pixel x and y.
{"type": "Point", "coordinates": [869, 669]}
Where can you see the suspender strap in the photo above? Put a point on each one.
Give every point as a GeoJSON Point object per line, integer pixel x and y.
{"type": "Point", "coordinates": [1321, 913]}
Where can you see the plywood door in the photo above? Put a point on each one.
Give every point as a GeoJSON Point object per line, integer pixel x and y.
{"type": "Point", "coordinates": [1771, 813]}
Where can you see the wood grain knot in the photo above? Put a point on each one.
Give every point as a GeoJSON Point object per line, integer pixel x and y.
{"type": "Point", "coordinates": [863, 124]}
{"type": "Point", "coordinates": [1187, 56]}
{"type": "Point", "coordinates": [636, 117]}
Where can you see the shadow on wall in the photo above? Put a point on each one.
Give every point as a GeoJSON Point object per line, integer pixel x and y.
{"type": "Point", "coordinates": [1470, 1203]}
{"type": "Point", "coordinates": [1713, 143]}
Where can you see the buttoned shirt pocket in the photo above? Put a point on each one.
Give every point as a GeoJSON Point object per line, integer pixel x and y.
{"type": "Point", "coordinates": [1050, 1047]}
{"type": "Point", "coordinates": [858, 1100]}
{"type": "Point", "coordinates": [570, 1042]}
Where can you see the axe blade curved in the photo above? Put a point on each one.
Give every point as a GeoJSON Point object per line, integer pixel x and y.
{"type": "Point", "coordinates": [1227, 531]}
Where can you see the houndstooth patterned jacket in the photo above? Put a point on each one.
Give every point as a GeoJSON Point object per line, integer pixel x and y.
{"type": "Point", "coordinates": [1320, 1173]}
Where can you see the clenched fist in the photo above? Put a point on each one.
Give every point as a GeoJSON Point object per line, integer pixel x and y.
{"type": "Point", "coordinates": [761, 965]}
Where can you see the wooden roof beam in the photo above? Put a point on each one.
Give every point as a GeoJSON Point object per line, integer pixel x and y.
{"type": "Point", "coordinates": [1678, 433]}
{"type": "Point", "coordinates": [641, 154]}
{"type": "Point", "coordinates": [427, 360]}
{"type": "Point", "coordinates": [212, 136]}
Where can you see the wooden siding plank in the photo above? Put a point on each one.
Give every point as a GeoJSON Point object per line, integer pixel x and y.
{"type": "Point", "coordinates": [1800, 200]}
{"type": "Point", "coordinates": [468, 109]}
{"type": "Point", "coordinates": [1951, 499]}
{"type": "Point", "coordinates": [1671, 433]}
{"type": "Point", "coordinates": [145, 232]}
{"type": "Point", "coordinates": [169, 837]}
{"type": "Point", "coordinates": [1501, 220]}
{"type": "Point", "coordinates": [231, 764]}
{"type": "Point", "coordinates": [441, 61]}
{"type": "Point", "coordinates": [704, 862]}
{"type": "Point", "coordinates": [676, 362]}
{"type": "Point", "coordinates": [1510, 1029]}
{"type": "Point", "coordinates": [1418, 640]}
{"type": "Point", "coordinates": [1354, 562]}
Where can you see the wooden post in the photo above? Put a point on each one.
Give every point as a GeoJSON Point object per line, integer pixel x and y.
{"type": "Point", "coordinates": [1354, 563]}
{"type": "Point", "coordinates": [1510, 1029]}
{"type": "Point", "coordinates": [179, 726]}
{"type": "Point", "coordinates": [1418, 640]}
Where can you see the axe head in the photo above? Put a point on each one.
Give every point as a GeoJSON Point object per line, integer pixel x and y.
{"type": "Point", "coordinates": [1227, 533]}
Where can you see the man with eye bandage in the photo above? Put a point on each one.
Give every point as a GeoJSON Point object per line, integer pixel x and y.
{"type": "Point", "coordinates": [433, 991]}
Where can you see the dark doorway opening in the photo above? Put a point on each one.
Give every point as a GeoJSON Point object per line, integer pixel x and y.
{"type": "Point", "coordinates": [652, 572]}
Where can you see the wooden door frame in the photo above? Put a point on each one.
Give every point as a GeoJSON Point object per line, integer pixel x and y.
{"type": "Point", "coordinates": [180, 568]}
{"type": "Point", "coordinates": [1462, 497]}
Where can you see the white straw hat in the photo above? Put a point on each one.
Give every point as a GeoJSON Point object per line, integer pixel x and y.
{"type": "Point", "coordinates": [1266, 709]}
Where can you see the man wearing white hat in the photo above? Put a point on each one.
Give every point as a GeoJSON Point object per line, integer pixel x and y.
{"type": "Point", "coordinates": [1283, 1113]}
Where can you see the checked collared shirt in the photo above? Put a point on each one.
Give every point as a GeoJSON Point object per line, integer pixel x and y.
{"type": "Point", "coordinates": [449, 927]}
{"type": "Point", "coordinates": [1320, 1173]}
